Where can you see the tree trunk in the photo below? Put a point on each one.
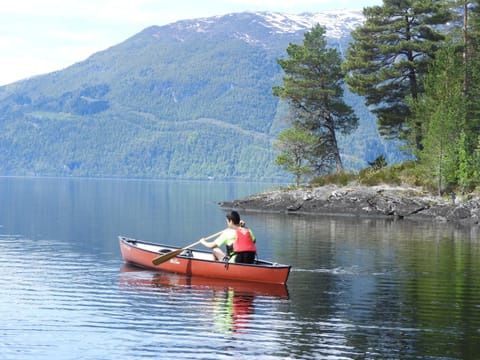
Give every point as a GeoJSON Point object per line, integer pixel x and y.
{"type": "Point", "coordinates": [333, 139]}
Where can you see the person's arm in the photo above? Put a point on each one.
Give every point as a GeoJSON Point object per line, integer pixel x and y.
{"type": "Point", "coordinates": [215, 243]}
{"type": "Point", "coordinates": [210, 244]}
{"type": "Point", "coordinates": [253, 236]}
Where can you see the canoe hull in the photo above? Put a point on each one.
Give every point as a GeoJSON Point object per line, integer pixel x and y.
{"type": "Point", "coordinates": [197, 263]}
{"type": "Point", "coordinates": [134, 277]}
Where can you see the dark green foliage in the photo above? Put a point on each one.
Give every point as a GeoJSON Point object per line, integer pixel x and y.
{"type": "Point", "coordinates": [378, 163]}
{"type": "Point", "coordinates": [448, 112]}
{"type": "Point", "coordinates": [313, 89]}
{"type": "Point", "coordinates": [390, 55]}
{"type": "Point", "coordinates": [471, 57]}
{"type": "Point", "coordinates": [441, 111]}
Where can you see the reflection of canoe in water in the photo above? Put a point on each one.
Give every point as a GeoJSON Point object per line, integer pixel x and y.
{"type": "Point", "coordinates": [133, 276]}
{"type": "Point", "coordinates": [230, 303]}
{"type": "Point", "coordinates": [201, 263]}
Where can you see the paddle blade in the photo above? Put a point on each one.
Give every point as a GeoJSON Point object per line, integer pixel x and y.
{"type": "Point", "coordinates": [162, 258]}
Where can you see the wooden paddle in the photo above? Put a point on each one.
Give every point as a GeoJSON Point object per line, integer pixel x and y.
{"type": "Point", "coordinates": [165, 257]}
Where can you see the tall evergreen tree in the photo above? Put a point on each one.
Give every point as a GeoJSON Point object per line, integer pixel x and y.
{"type": "Point", "coordinates": [466, 37]}
{"type": "Point", "coordinates": [471, 48]}
{"type": "Point", "coordinates": [441, 110]}
{"type": "Point", "coordinates": [313, 89]}
{"type": "Point", "coordinates": [389, 57]}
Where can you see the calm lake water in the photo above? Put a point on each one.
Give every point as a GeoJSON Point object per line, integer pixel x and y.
{"type": "Point", "coordinates": [359, 288]}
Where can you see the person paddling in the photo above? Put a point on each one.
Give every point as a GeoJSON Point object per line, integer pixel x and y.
{"type": "Point", "coordinates": [238, 239]}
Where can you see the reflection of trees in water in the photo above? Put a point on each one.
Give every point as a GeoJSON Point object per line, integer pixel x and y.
{"type": "Point", "coordinates": [325, 242]}
{"type": "Point", "coordinates": [386, 275]}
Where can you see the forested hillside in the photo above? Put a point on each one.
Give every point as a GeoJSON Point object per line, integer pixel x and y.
{"type": "Point", "coordinates": [188, 100]}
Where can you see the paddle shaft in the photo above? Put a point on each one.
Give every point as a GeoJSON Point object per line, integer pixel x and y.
{"type": "Point", "coordinates": [165, 257]}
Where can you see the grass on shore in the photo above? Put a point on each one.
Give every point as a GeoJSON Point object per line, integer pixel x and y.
{"type": "Point", "coordinates": [402, 174]}
{"type": "Point", "coordinates": [398, 174]}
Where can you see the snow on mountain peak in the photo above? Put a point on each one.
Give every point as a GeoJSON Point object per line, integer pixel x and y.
{"type": "Point", "coordinates": [336, 22]}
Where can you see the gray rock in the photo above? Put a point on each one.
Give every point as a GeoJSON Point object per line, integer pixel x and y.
{"type": "Point", "coordinates": [378, 201]}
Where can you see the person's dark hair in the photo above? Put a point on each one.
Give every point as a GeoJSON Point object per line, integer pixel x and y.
{"type": "Point", "coordinates": [234, 217]}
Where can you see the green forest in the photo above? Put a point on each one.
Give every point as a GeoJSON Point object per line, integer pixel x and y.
{"type": "Point", "coordinates": [417, 64]}
{"type": "Point", "coordinates": [170, 102]}
{"type": "Point", "coordinates": [150, 107]}
{"type": "Point", "coordinates": [173, 102]}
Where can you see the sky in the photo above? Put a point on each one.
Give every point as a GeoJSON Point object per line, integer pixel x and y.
{"type": "Point", "coordinates": [41, 36]}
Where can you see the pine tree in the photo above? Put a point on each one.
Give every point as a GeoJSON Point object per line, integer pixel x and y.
{"type": "Point", "coordinates": [471, 48]}
{"type": "Point", "coordinates": [476, 165]}
{"type": "Point", "coordinates": [313, 90]}
{"type": "Point", "coordinates": [296, 148]}
{"type": "Point", "coordinates": [441, 111]}
{"type": "Point", "coordinates": [390, 55]}
{"type": "Point", "coordinates": [468, 40]}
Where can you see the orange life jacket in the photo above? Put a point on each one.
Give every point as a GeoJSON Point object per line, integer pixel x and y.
{"type": "Point", "coordinates": [244, 241]}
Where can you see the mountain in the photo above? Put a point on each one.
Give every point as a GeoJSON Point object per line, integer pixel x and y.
{"type": "Point", "coordinates": [192, 99]}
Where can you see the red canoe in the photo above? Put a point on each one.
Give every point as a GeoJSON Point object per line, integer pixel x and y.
{"type": "Point", "coordinates": [134, 277]}
{"type": "Point", "coordinates": [200, 263]}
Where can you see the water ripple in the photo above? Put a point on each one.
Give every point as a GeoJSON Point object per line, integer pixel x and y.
{"type": "Point", "coordinates": [55, 300]}
{"type": "Point", "coordinates": [336, 271]}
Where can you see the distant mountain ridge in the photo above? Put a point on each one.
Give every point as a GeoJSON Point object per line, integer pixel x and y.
{"type": "Point", "coordinates": [337, 23]}
{"type": "Point", "coordinates": [192, 99]}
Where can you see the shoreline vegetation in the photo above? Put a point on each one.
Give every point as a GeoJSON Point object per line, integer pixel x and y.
{"type": "Point", "coordinates": [391, 192]}
{"type": "Point", "coordinates": [381, 201]}
{"type": "Point", "coordinates": [433, 113]}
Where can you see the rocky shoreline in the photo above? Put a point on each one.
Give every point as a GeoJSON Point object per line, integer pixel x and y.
{"type": "Point", "coordinates": [364, 201]}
